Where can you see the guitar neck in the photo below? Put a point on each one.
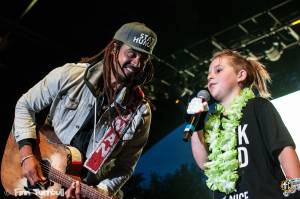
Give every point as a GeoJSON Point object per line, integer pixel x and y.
{"type": "Point", "coordinates": [66, 181]}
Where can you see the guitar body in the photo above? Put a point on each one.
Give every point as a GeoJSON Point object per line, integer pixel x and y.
{"type": "Point", "coordinates": [50, 151]}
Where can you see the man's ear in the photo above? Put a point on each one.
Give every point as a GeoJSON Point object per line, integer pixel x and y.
{"type": "Point", "coordinates": [114, 50]}
{"type": "Point", "coordinates": [242, 75]}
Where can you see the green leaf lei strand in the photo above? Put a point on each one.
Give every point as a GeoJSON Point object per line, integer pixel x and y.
{"type": "Point", "coordinates": [222, 165]}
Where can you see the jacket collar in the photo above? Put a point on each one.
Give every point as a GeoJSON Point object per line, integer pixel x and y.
{"type": "Point", "coordinates": [93, 78]}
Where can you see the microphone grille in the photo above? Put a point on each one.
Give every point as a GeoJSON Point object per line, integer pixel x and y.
{"type": "Point", "coordinates": [204, 94]}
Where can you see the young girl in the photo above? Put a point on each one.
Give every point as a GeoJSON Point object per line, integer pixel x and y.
{"type": "Point", "coordinates": [244, 149]}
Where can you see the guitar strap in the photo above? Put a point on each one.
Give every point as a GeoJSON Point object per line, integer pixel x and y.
{"type": "Point", "coordinates": [108, 142]}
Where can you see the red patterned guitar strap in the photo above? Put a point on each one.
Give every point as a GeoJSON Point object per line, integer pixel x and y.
{"type": "Point", "coordinates": [107, 143]}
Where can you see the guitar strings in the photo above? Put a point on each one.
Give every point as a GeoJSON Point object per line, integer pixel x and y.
{"type": "Point", "coordinates": [91, 192]}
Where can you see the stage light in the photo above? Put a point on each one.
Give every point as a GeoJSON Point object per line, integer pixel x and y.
{"type": "Point", "coordinates": [274, 52]}
{"type": "Point", "coordinates": [295, 22]}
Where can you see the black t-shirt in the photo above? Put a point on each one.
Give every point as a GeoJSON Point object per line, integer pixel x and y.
{"type": "Point", "coordinates": [82, 137]}
{"type": "Point", "coordinates": [261, 136]}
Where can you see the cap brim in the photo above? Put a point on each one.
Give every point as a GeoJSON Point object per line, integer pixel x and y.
{"type": "Point", "coordinates": [138, 49]}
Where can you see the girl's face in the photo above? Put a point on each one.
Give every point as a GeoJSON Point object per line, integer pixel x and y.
{"type": "Point", "coordinates": [223, 80]}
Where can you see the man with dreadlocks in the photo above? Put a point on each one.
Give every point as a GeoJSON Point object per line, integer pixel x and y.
{"type": "Point", "coordinates": [96, 106]}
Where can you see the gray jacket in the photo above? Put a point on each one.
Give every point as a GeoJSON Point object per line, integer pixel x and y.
{"type": "Point", "coordinates": [70, 91]}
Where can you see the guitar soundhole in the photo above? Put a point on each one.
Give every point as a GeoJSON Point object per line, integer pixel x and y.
{"type": "Point", "coordinates": [41, 185]}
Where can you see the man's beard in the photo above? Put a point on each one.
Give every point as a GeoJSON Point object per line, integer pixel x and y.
{"type": "Point", "coordinates": [134, 78]}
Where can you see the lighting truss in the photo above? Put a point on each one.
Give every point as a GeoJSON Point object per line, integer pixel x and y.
{"type": "Point", "coordinates": [265, 36]}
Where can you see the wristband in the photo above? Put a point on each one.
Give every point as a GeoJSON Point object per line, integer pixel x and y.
{"type": "Point", "coordinates": [290, 186]}
{"type": "Point", "coordinates": [25, 158]}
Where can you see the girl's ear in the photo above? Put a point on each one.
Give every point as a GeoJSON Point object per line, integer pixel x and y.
{"type": "Point", "coordinates": [242, 75]}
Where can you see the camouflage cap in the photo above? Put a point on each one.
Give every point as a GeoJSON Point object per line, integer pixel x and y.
{"type": "Point", "coordinates": [138, 36]}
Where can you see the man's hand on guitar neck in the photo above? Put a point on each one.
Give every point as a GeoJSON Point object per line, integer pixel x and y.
{"type": "Point", "coordinates": [74, 191]}
{"type": "Point", "coordinates": [31, 167]}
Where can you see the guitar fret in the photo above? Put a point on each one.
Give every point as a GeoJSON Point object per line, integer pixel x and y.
{"type": "Point", "coordinates": [66, 181]}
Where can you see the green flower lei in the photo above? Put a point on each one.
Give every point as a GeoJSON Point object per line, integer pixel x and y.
{"type": "Point", "coordinates": [221, 169]}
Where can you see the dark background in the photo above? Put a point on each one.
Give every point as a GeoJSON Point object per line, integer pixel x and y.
{"type": "Point", "coordinates": [54, 32]}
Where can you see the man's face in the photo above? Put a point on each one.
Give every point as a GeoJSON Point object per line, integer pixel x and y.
{"type": "Point", "coordinates": [132, 62]}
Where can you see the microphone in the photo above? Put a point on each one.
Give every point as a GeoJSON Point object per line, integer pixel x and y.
{"type": "Point", "coordinates": [193, 121]}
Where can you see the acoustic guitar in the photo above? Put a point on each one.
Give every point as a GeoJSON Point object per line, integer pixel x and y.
{"type": "Point", "coordinates": [60, 164]}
